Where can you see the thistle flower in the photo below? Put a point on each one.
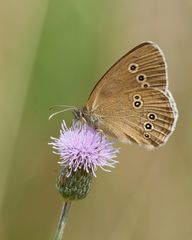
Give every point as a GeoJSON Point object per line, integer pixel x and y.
{"type": "Point", "coordinates": [82, 151]}
{"type": "Point", "coordinates": [81, 147]}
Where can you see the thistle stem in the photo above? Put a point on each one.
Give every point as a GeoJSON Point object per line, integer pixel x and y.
{"type": "Point", "coordinates": [62, 220]}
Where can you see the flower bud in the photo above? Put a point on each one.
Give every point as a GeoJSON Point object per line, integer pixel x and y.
{"type": "Point", "coordinates": [76, 186]}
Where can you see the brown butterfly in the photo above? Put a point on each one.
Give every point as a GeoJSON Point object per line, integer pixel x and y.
{"type": "Point", "coordinates": [131, 102]}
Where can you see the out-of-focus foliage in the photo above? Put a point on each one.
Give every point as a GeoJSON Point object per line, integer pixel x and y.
{"type": "Point", "coordinates": [53, 52]}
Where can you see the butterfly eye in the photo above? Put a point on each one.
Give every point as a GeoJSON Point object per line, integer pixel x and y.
{"type": "Point", "coordinates": [145, 85]}
{"type": "Point", "coordinates": [136, 97]}
{"type": "Point", "coordinates": [141, 77]}
{"type": "Point", "coordinates": [146, 135]}
{"type": "Point", "coordinates": [148, 126]}
{"type": "Point", "coordinates": [133, 67]}
{"type": "Point", "coordinates": [152, 116]}
{"type": "Point", "coordinates": [137, 104]}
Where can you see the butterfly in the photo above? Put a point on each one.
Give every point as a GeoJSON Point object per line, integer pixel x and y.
{"type": "Point", "coordinates": [131, 102]}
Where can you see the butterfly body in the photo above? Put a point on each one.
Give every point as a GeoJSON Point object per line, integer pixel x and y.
{"type": "Point", "coordinates": [131, 102]}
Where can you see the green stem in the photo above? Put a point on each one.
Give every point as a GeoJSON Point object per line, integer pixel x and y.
{"type": "Point", "coordinates": [62, 220]}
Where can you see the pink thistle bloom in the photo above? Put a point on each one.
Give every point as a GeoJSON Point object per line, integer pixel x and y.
{"type": "Point", "coordinates": [82, 147]}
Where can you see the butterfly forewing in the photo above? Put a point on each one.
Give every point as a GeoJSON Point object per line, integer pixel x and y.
{"type": "Point", "coordinates": [131, 100]}
{"type": "Point", "coordinates": [149, 62]}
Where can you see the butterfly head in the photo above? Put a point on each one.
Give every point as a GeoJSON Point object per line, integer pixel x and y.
{"type": "Point", "coordinates": [77, 113]}
{"type": "Point", "coordinates": [85, 116]}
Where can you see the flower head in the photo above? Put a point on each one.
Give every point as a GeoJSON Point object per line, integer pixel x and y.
{"type": "Point", "coordinates": [82, 147]}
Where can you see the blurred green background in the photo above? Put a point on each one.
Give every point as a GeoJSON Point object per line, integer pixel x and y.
{"type": "Point", "coordinates": [53, 52]}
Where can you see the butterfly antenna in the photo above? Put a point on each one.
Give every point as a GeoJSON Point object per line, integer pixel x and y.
{"type": "Point", "coordinates": [63, 110]}
{"type": "Point", "coordinates": [60, 106]}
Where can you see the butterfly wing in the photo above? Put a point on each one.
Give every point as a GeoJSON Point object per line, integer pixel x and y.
{"type": "Point", "coordinates": [132, 89]}
{"type": "Point", "coordinates": [145, 60]}
{"type": "Point", "coordinates": [147, 121]}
